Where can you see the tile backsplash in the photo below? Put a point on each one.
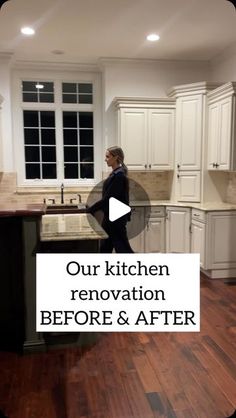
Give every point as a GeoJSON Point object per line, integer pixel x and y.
{"type": "Point", "coordinates": [157, 185]}
{"type": "Point", "coordinates": [231, 189]}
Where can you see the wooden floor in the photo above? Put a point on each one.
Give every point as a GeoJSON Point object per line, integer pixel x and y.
{"type": "Point", "coordinates": [124, 375]}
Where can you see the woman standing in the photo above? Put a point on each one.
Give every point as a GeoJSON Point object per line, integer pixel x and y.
{"type": "Point", "coordinates": [117, 186]}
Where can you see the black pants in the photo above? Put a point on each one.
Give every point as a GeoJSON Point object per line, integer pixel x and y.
{"type": "Point", "coordinates": [117, 237]}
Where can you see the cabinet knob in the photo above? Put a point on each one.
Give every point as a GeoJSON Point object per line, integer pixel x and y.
{"type": "Point", "coordinates": [150, 166]}
{"type": "Point", "coordinates": [145, 166]}
{"type": "Point", "coordinates": [217, 165]}
{"type": "Point", "coordinates": [214, 164]}
{"type": "Point", "coordinates": [178, 166]}
{"type": "Point", "coordinates": [178, 176]}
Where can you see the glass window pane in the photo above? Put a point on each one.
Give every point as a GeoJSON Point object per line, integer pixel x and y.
{"type": "Point", "coordinates": [32, 171]}
{"type": "Point", "coordinates": [47, 119]}
{"type": "Point", "coordinates": [48, 136]}
{"type": "Point", "coordinates": [49, 171]}
{"type": "Point", "coordinates": [85, 98]}
{"type": "Point", "coordinates": [86, 119]}
{"type": "Point", "coordinates": [31, 118]}
{"type": "Point", "coordinates": [31, 154]}
{"type": "Point", "coordinates": [70, 154]}
{"type": "Point", "coordinates": [29, 86]}
{"type": "Point", "coordinates": [86, 171]}
{"type": "Point", "coordinates": [86, 154]}
{"type": "Point", "coordinates": [69, 87]}
{"type": "Point", "coordinates": [30, 97]}
{"type": "Point", "coordinates": [71, 171]}
{"type": "Point", "coordinates": [70, 119]}
{"type": "Point", "coordinates": [69, 98]}
{"type": "Point", "coordinates": [86, 137]}
{"type": "Point", "coordinates": [49, 154]}
{"type": "Point", "coordinates": [85, 88]}
{"type": "Point", "coordinates": [31, 136]}
{"type": "Point", "coordinates": [70, 136]}
{"type": "Point", "coordinates": [48, 86]}
{"type": "Point", "coordinates": [46, 97]}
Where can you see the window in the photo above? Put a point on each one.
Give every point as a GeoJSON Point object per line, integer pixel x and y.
{"type": "Point", "coordinates": [60, 124]}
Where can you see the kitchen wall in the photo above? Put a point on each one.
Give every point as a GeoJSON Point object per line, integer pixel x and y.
{"type": "Point", "coordinates": [120, 78]}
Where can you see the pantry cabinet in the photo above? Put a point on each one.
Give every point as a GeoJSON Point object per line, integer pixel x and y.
{"type": "Point", "coordinates": [221, 128]}
{"type": "Point", "coordinates": [177, 230]}
{"type": "Point", "coordinates": [146, 132]}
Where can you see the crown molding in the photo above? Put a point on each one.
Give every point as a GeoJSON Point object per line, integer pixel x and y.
{"type": "Point", "coordinates": [148, 102]}
{"type": "Point", "coordinates": [222, 92]}
{"type": "Point", "coordinates": [194, 88]}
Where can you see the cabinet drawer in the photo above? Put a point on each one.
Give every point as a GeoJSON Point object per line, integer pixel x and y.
{"type": "Point", "coordinates": [157, 211]}
{"type": "Point", "coordinates": [199, 215]}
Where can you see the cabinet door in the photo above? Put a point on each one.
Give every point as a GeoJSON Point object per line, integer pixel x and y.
{"type": "Point", "coordinates": [189, 132]}
{"type": "Point", "coordinates": [133, 137]}
{"type": "Point", "coordinates": [161, 139]}
{"type": "Point", "coordinates": [221, 240]}
{"type": "Point", "coordinates": [224, 145]}
{"type": "Point", "coordinates": [177, 230]}
{"type": "Point", "coordinates": [133, 227]}
{"type": "Point", "coordinates": [213, 135]}
{"type": "Point", "coordinates": [188, 186]}
{"type": "Point", "coordinates": [155, 236]}
{"type": "Point", "coordinates": [198, 230]}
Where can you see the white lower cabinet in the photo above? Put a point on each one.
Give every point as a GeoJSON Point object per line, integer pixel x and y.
{"type": "Point", "coordinates": [135, 229]}
{"type": "Point", "coordinates": [198, 235]}
{"type": "Point", "coordinates": [221, 243]}
{"type": "Point", "coordinates": [154, 237]}
{"type": "Point", "coordinates": [177, 230]}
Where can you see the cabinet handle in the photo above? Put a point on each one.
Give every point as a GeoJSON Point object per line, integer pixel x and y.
{"type": "Point", "coordinates": [217, 165]}
{"type": "Point", "coordinates": [214, 165]}
{"type": "Point", "coordinates": [150, 166]}
{"type": "Point", "coordinates": [145, 166]}
{"type": "Point", "coordinates": [178, 176]}
{"type": "Point", "coordinates": [178, 166]}
{"type": "Point", "coordinates": [196, 214]}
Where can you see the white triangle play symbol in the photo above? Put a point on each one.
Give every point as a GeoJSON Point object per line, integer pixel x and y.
{"type": "Point", "coordinates": [117, 209]}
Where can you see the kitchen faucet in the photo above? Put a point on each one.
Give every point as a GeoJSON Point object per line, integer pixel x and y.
{"type": "Point", "coordinates": [62, 193]}
{"type": "Point", "coordinates": [79, 196]}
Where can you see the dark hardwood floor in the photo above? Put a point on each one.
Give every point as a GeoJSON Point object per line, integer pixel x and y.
{"type": "Point", "coordinates": [133, 375]}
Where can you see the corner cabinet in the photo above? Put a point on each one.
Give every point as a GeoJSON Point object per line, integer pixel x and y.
{"type": "Point", "coordinates": [221, 128]}
{"type": "Point", "coordinates": [146, 132]}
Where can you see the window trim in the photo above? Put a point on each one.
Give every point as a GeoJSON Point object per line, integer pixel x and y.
{"type": "Point", "coordinates": [58, 77]}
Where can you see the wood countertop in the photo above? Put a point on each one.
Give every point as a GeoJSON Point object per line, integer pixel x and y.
{"type": "Point", "coordinates": [21, 209]}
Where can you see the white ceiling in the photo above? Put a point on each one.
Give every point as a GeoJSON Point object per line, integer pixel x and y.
{"type": "Point", "coordinates": [86, 30]}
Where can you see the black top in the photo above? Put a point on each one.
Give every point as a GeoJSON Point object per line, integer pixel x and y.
{"type": "Point", "coordinates": [117, 186]}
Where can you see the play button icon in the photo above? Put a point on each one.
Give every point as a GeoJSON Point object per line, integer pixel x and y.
{"type": "Point", "coordinates": [117, 209]}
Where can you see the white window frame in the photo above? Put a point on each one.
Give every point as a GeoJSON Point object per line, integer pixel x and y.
{"type": "Point", "coordinates": [18, 106]}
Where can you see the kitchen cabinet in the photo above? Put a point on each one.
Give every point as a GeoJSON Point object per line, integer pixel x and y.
{"type": "Point", "coordinates": [177, 230]}
{"type": "Point", "coordinates": [188, 186]}
{"type": "Point", "coordinates": [146, 133]}
{"type": "Point", "coordinates": [198, 234]}
{"type": "Point", "coordinates": [154, 237]}
{"type": "Point", "coordinates": [135, 229]}
{"type": "Point", "coordinates": [221, 128]}
{"type": "Point", "coordinates": [221, 243]}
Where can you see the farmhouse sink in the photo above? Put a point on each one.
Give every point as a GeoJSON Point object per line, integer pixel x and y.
{"type": "Point", "coordinates": [66, 208]}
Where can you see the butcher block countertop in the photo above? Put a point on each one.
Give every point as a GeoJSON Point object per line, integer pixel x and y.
{"type": "Point", "coordinates": [70, 227]}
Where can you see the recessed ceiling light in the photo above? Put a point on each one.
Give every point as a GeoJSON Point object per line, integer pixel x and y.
{"type": "Point", "coordinates": [27, 31]}
{"type": "Point", "coordinates": [153, 37]}
{"type": "Point", "coordinates": [39, 86]}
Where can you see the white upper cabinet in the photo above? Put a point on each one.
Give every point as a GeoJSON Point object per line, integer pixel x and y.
{"type": "Point", "coordinates": [189, 132]}
{"type": "Point", "coordinates": [221, 128]}
{"type": "Point", "coordinates": [146, 132]}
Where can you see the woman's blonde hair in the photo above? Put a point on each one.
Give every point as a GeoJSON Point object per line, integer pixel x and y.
{"type": "Point", "coordinates": [119, 153]}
